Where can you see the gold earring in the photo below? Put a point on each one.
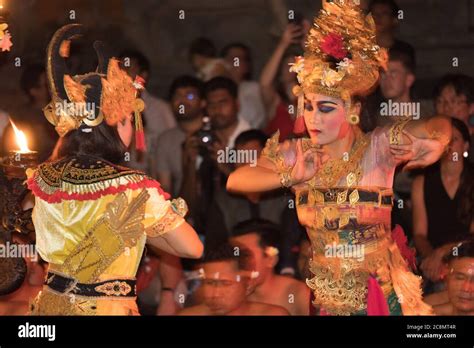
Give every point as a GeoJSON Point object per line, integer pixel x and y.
{"type": "Point", "coordinates": [353, 119]}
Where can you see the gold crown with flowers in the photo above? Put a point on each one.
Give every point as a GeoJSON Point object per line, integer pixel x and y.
{"type": "Point", "coordinates": [341, 58]}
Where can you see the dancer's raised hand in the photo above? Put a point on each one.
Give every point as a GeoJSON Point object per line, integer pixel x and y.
{"type": "Point", "coordinates": [305, 163]}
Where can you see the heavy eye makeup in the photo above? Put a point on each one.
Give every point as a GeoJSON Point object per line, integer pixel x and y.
{"type": "Point", "coordinates": [324, 106]}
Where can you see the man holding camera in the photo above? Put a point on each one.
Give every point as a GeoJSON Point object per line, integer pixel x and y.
{"type": "Point", "coordinates": [203, 172]}
{"type": "Point", "coordinates": [187, 103]}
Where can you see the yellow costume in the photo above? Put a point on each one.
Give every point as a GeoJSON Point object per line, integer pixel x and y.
{"type": "Point", "coordinates": [91, 220]}
{"type": "Point", "coordinates": [92, 217]}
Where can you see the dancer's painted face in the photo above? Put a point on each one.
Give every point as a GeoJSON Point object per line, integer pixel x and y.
{"type": "Point", "coordinates": [325, 118]}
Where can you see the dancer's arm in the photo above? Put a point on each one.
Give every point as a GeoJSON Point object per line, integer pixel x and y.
{"type": "Point", "coordinates": [276, 161]}
{"type": "Point", "coordinates": [166, 228]}
{"type": "Point", "coordinates": [420, 143]}
{"type": "Point", "coordinates": [254, 179]}
{"type": "Point", "coordinates": [182, 241]}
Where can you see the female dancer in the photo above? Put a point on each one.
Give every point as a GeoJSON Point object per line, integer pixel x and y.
{"type": "Point", "coordinates": [343, 178]}
{"type": "Point", "coordinates": [93, 217]}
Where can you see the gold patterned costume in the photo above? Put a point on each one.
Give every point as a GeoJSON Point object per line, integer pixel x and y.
{"type": "Point", "coordinates": [346, 206]}
{"type": "Point", "coordinates": [92, 219]}
{"type": "Point", "coordinates": [345, 209]}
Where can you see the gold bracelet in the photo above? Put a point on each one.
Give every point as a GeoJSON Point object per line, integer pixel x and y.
{"type": "Point", "coordinates": [285, 179]}
{"type": "Point", "coordinates": [395, 132]}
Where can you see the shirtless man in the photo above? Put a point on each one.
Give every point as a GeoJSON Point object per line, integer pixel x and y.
{"type": "Point", "coordinates": [258, 236]}
{"type": "Point", "coordinates": [227, 272]}
{"type": "Point", "coordinates": [459, 283]}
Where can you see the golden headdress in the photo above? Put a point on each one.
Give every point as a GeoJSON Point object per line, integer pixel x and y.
{"type": "Point", "coordinates": [85, 101]}
{"type": "Point", "coordinates": [342, 58]}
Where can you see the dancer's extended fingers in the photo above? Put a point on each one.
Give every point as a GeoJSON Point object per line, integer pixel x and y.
{"type": "Point", "coordinates": [406, 147]}
{"type": "Point", "coordinates": [400, 152]}
{"type": "Point", "coordinates": [299, 149]}
{"type": "Point", "coordinates": [318, 161]}
{"type": "Point", "coordinates": [411, 137]}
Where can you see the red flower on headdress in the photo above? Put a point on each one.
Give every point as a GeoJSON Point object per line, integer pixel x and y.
{"type": "Point", "coordinates": [333, 45]}
{"type": "Point", "coordinates": [5, 42]}
{"type": "Point", "coordinates": [139, 82]}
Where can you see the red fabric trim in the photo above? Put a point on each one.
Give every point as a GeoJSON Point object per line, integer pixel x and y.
{"type": "Point", "coordinates": [376, 302]}
{"type": "Point", "coordinates": [58, 196]}
{"type": "Point", "coordinates": [409, 254]}
{"type": "Point", "coordinates": [140, 140]}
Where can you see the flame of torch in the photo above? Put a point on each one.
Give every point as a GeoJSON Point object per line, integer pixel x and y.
{"type": "Point", "coordinates": [20, 139]}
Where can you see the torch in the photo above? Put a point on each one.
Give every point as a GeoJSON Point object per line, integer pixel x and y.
{"type": "Point", "coordinates": [15, 209]}
{"type": "Point", "coordinates": [20, 159]}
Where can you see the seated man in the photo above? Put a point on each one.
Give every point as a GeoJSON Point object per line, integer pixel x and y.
{"type": "Point", "coordinates": [227, 273]}
{"type": "Point", "coordinates": [458, 299]}
{"type": "Point", "coordinates": [258, 236]}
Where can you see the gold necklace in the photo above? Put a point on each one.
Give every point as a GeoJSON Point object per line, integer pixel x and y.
{"type": "Point", "coordinates": [334, 169]}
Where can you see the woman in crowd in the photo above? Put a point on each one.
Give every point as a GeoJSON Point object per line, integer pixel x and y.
{"type": "Point", "coordinates": [277, 82]}
{"type": "Point", "coordinates": [443, 203]}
